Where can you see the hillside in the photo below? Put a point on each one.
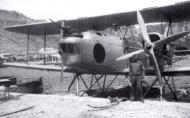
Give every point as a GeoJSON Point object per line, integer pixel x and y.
{"type": "Point", "coordinates": [15, 43]}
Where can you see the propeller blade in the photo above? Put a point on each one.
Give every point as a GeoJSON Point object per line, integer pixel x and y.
{"type": "Point", "coordinates": [143, 28]}
{"type": "Point", "coordinates": [157, 71]}
{"type": "Point", "coordinates": [129, 55]}
{"type": "Point", "coordinates": [149, 48]}
{"type": "Point", "coordinates": [170, 38]}
{"type": "Point", "coordinates": [156, 67]}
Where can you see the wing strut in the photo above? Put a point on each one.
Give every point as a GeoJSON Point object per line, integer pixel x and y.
{"type": "Point", "coordinates": [28, 43]}
{"type": "Point", "coordinates": [61, 36]}
{"type": "Point", "coordinates": [45, 42]}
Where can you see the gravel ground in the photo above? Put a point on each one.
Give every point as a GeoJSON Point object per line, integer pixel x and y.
{"type": "Point", "coordinates": [71, 106]}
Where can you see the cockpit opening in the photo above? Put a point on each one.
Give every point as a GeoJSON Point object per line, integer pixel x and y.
{"type": "Point", "coordinates": [68, 48]}
{"type": "Point", "coordinates": [73, 35]}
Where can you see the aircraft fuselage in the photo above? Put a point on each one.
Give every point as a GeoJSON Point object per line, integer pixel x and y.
{"type": "Point", "coordinates": [93, 52]}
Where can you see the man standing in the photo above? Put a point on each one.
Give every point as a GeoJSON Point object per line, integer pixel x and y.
{"type": "Point", "coordinates": [136, 75]}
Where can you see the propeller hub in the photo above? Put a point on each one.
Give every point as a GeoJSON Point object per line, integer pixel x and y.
{"type": "Point", "coordinates": [148, 46]}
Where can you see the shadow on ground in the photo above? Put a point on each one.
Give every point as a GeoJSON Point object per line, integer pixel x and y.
{"type": "Point", "coordinates": [121, 92]}
{"type": "Point", "coordinates": [125, 93]}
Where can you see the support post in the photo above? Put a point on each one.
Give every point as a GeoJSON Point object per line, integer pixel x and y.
{"type": "Point", "coordinates": [132, 33]}
{"type": "Point", "coordinates": [173, 92]}
{"type": "Point", "coordinates": [104, 83]}
{"type": "Point", "coordinates": [91, 81]}
{"type": "Point", "coordinates": [169, 30]}
{"type": "Point", "coordinates": [126, 29]}
{"type": "Point", "coordinates": [77, 85]}
{"type": "Point", "coordinates": [162, 27]}
{"type": "Point", "coordinates": [62, 63]}
{"type": "Point", "coordinates": [112, 81]}
{"type": "Point", "coordinates": [167, 81]}
{"type": "Point", "coordinates": [96, 81]}
{"type": "Point", "coordinates": [83, 82]}
{"type": "Point", "coordinates": [45, 45]}
{"type": "Point", "coordinates": [61, 30]}
{"type": "Point", "coordinates": [150, 87]}
{"type": "Point", "coordinates": [72, 83]}
{"type": "Point", "coordinates": [161, 94]}
{"type": "Point", "coordinates": [174, 87]}
{"type": "Point", "coordinates": [27, 50]}
{"type": "Point", "coordinates": [125, 42]}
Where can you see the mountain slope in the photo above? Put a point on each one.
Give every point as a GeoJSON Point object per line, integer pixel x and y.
{"type": "Point", "coordinates": [15, 43]}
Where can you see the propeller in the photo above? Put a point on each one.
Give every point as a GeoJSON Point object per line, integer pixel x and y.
{"type": "Point", "coordinates": [170, 38]}
{"type": "Point", "coordinates": [149, 46]}
{"type": "Point", "coordinates": [129, 55]}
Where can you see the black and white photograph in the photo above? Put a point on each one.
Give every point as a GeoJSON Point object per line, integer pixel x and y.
{"type": "Point", "coordinates": [94, 58]}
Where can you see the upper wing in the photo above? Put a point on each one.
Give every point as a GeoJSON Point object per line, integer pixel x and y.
{"type": "Point", "coordinates": [37, 28]}
{"type": "Point", "coordinates": [174, 13]}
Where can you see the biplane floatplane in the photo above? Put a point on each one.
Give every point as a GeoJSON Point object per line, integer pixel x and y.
{"type": "Point", "coordinates": [85, 52]}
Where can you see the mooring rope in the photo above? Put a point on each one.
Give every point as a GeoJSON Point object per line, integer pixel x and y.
{"type": "Point", "coordinates": [115, 103]}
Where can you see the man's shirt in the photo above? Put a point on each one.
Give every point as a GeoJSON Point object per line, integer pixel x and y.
{"type": "Point", "coordinates": [136, 68]}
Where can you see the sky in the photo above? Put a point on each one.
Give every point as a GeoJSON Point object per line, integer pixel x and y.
{"type": "Point", "coordinates": [71, 9]}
